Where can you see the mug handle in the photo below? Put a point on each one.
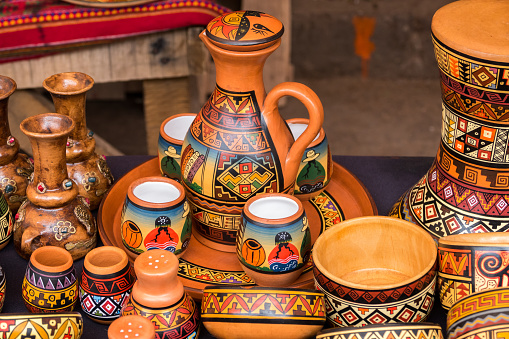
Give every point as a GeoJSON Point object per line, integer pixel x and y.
{"type": "Point", "coordinates": [315, 110]}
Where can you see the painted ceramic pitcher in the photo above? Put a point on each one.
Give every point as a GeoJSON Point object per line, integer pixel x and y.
{"type": "Point", "coordinates": [238, 145]}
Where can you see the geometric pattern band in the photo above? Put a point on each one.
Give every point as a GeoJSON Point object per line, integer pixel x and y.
{"type": "Point", "coordinates": [386, 331]}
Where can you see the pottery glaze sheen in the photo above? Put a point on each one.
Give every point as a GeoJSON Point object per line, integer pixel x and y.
{"type": "Point", "coordinates": [49, 326]}
{"type": "Point", "coordinates": [156, 216]}
{"type": "Point", "coordinates": [239, 146]}
{"type": "Point", "coordinates": [274, 241]}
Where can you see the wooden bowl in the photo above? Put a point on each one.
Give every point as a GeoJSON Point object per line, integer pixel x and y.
{"type": "Point", "coordinates": [483, 314]}
{"type": "Point", "coordinates": [384, 331]}
{"type": "Point", "coordinates": [262, 312]}
{"type": "Point", "coordinates": [470, 263]}
{"type": "Point", "coordinates": [375, 270]}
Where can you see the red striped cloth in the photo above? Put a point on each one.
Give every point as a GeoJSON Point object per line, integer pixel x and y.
{"type": "Point", "coordinates": [31, 28]}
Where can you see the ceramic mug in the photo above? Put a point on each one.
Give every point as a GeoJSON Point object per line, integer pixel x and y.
{"type": "Point", "coordinates": [106, 282]}
{"type": "Point", "coordinates": [315, 168]}
{"type": "Point", "coordinates": [155, 215]}
{"type": "Point", "coordinates": [274, 240]}
{"type": "Point", "coordinates": [169, 146]}
{"type": "Point", "coordinates": [50, 282]}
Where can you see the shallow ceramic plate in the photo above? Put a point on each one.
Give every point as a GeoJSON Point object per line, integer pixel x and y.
{"type": "Point", "coordinates": [344, 198]}
{"type": "Point", "coordinates": [108, 3]}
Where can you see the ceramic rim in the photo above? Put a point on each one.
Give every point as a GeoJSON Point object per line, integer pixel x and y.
{"type": "Point", "coordinates": [5, 81]}
{"type": "Point", "coordinates": [301, 121]}
{"type": "Point", "coordinates": [42, 259]}
{"type": "Point", "coordinates": [166, 136]}
{"type": "Point", "coordinates": [105, 260]}
{"type": "Point", "coordinates": [490, 239]}
{"type": "Point", "coordinates": [157, 205]}
{"type": "Point", "coordinates": [280, 220]}
{"type": "Point", "coordinates": [57, 77]}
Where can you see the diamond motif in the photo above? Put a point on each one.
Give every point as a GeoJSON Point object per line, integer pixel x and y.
{"type": "Point", "coordinates": [501, 205]}
{"type": "Point", "coordinates": [108, 307]}
{"type": "Point", "coordinates": [472, 201]}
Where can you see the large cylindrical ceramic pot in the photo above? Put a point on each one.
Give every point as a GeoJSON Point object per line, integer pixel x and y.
{"type": "Point", "coordinates": [239, 146]}
{"type": "Point", "coordinates": [53, 214]}
{"type": "Point", "coordinates": [159, 295]}
{"type": "Point", "coordinates": [85, 167]}
{"type": "Point", "coordinates": [15, 167]}
{"type": "Point", "coordinates": [466, 190]}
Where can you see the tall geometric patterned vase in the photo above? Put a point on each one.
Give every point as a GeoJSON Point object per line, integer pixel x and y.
{"type": "Point", "coordinates": [466, 189]}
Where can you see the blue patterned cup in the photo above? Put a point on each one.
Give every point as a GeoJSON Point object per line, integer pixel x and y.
{"type": "Point", "coordinates": [315, 169]}
{"type": "Point", "coordinates": [155, 215]}
{"type": "Point", "coordinates": [169, 146]}
{"type": "Point", "coordinates": [273, 241]}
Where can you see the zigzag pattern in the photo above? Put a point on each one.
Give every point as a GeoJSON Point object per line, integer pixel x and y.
{"type": "Point", "coordinates": [191, 271]}
{"type": "Point", "coordinates": [486, 301]}
{"type": "Point", "coordinates": [485, 326]}
{"type": "Point", "coordinates": [392, 331]}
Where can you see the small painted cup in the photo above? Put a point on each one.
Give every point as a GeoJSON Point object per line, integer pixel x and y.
{"type": "Point", "coordinates": [483, 314]}
{"type": "Point", "coordinates": [315, 168]}
{"type": "Point", "coordinates": [50, 282]}
{"type": "Point", "coordinates": [169, 146]}
{"type": "Point", "coordinates": [274, 240]}
{"type": "Point", "coordinates": [470, 263]}
{"type": "Point", "coordinates": [155, 215]}
{"type": "Point", "coordinates": [106, 282]}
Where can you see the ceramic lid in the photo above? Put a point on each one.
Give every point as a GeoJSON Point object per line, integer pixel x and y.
{"type": "Point", "coordinates": [477, 28]}
{"type": "Point", "coordinates": [244, 28]}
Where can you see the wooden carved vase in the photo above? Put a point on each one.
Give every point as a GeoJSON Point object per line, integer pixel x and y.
{"type": "Point", "coordinates": [88, 170]}
{"type": "Point", "coordinates": [239, 146]}
{"type": "Point", "coordinates": [15, 167]}
{"type": "Point", "coordinates": [53, 214]}
{"type": "Point", "coordinates": [466, 190]}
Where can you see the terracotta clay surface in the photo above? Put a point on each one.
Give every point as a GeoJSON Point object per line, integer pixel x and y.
{"type": "Point", "coordinates": [85, 167]}
{"type": "Point", "coordinates": [344, 198]}
{"type": "Point", "coordinates": [131, 327]}
{"type": "Point", "coordinates": [384, 331]}
{"type": "Point", "coordinates": [51, 325]}
{"type": "Point", "coordinates": [53, 214]}
{"type": "Point", "coordinates": [15, 167]}
{"type": "Point", "coordinates": [239, 146]}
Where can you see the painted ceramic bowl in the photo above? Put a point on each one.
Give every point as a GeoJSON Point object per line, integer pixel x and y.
{"type": "Point", "coordinates": [384, 331]}
{"type": "Point", "coordinates": [169, 146]}
{"type": "Point", "coordinates": [273, 241]}
{"type": "Point", "coordinates": [50, 283]}
{"type": "Point", "coordinates": [262, 312]}
{"type": "Point", "coordinates": [375, 270]}
{"type": "Point", "coordinates": [470, 263]}
{"type": "Point", "coordinates": [315, 169]}
{"type": "Point", "coordinates": [43, 325]}
{"type": "Point", "coordinates": [155, 215]}
{"type": "Point", "coordinates": [483, 314]}
{"type": "Point", "coordinates": [106, 282]}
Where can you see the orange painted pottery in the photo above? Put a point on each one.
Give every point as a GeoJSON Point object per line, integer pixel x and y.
{"type": "Point", "coordinates": [15, 167]}
{"type": "Point", "coordinates": [384, 331]}
{"type": "Point", "coordinates": [131, 327]}
{"type": "Point", "coordinates": [67, 325]}
{"type": "Point", "coordinates": [262, 312]}
{"type": "Point", "coordinates": [483, 314]}
{"type": "Point", "coordinates": [106, 282]}
{"type": "Point", "coordinates": [169, 145]}
{"type": "Point", "coordinates": [155, 216]}
{"type": "Point", "coordinates": [50, 283]}
{"type": "Point", "coordinates": [471, 262]}
{"type": "Point", "coordinates": [375, 270]}
{"type": "Point", "coordinates": [239, 146]}
{"type": "Point", "coordinates": [88, 170]}
{"type": "Point", "coordinates": [159, 295]}
{"type": "Point", "coordinates": [274, 240]}
{"type": "Point", "coordinates": [315, 169]}
{"type": "Point", "coordinates": [54, 214]}
{"type": "Point", "coordinates": [6, 222]}
{"type": "Point", "coordinates": [466, 190]}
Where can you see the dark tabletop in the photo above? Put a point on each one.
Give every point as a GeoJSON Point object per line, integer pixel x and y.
{"type": "Point", "coordinates": [386, 178]}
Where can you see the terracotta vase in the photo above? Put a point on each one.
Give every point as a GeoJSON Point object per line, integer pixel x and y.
{"type": "Point", "coordinates": [466, 190]}
{"type": "Point", "coordinates": [238, 145]}
{"type": "Point", "coordinates": [131, 327]}
{"type": "Point", "coordinates": [50, 326]}
{"type": "Point", "coordinates": [85, 167]}
{"type": "Point", "coordinates": [53, 214]}
{"type": "Point", "coordinates": [159, 295]}
{"type": "Point", "coordinates": [15, 167]}
{"type": "Point", "coordinates": [50, 283]}
{"type": "Point", "coordinates": [106, 282]}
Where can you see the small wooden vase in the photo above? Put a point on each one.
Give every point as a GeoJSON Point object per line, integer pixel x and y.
{"type": "Point", "coordinates": [85, 167]}
{"type": "Point", "coordinates": [53, 214]}
{"type": "Point", "coordinates": [131, 327]}
{"type": "Point", "coordinates": [106, 281]}
{"type": "Point", "coordinates": [6, 222]}
{"type": "Point", "coordinates": [15, 167]}
{"type": "Point", "coordinates": [159, 295]}
{"type": "Point", "coordinates": [50, 282]}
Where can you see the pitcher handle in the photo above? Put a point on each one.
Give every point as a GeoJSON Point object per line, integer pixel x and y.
{"type": "Point", "coordinates": [315, 109]}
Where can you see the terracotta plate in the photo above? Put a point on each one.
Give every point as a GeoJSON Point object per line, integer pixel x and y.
{"type": "Point", "coordinates": [344, 198]}
{"type": "Point", "coordinates": [108, 3]}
